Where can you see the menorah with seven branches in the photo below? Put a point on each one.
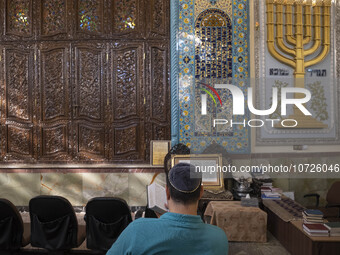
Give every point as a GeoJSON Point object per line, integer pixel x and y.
{"type": "Point", "coordinates": [287, 42]}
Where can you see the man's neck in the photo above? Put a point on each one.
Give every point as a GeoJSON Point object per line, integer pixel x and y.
{"type": "Point", "coordinates": [190, 209]}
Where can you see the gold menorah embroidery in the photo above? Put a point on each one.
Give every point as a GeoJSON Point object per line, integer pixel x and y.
{"type": "Point", "coordinates": [289, 47]}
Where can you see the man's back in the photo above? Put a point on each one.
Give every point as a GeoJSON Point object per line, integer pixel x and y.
{"type": "Point", "coordinates": [172, 233]}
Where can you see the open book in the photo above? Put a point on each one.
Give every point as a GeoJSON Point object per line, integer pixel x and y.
{"type": "Point", "coordinates": [156, 198]}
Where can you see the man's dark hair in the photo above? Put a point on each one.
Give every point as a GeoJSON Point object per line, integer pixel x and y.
{"type": "Point", "coordinates": [180, 197]}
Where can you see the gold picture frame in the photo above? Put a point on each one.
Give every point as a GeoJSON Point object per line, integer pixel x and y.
{"type": "Point", "coordinates": [210, 181]}
{"type": "Point", "coordinates": [159, 149]}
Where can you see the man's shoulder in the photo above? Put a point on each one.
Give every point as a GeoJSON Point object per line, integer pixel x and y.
{"type": "Point", "coordinates": [141, 222]}
{"type": "Point", "coordinates": [214, 231]}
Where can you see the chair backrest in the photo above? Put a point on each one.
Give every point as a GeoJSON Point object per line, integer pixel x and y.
{"type": "Point", "coordinates": [333, 194]}
{"type": "Point", "coordinates": [106, 218]}
{"type": "Point", "coordinates": [54, 224]}
{"type": "Point", "coordinates": [11, 226]}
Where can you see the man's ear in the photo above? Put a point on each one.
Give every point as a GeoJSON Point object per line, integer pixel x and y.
{"type": "Point", "coordinates": [167, 191]}
{"type": "Point", "coordinates": [201, 191]}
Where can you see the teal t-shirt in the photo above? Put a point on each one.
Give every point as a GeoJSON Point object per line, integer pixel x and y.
{"type": "Point", "coordinates": [172, 233]}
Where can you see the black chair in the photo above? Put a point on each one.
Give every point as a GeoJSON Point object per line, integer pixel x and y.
{"type": "Point", "coordinates": [13, 232]}
{"type": "Point", "coordinates": [332, 209]}
{"type": "Point", "coordinates": [106, 218]}
{"type": "Point", "coordinates": [54, 224]}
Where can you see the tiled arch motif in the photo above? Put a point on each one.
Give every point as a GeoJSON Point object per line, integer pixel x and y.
{"type": "Point", "coordinates": [188, 125]}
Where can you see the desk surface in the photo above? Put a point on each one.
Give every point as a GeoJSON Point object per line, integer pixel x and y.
{"type": "Point", "coordinates": [229, 206]}
{"type": "Point", "coordinates": [240, 223]}
{"type": "Point", "coordinates": [298, 225]}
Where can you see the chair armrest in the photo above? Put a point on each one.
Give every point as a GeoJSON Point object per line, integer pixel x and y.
{"type": "Point", "coordinates": [314, 195]}
{"type": "Point", "coordinates": [332, 205]}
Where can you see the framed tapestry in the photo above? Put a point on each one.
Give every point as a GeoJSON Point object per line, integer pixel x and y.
{"type": "Point", "coordinates": [296, 47]}
{"type": "Point", "coordinates": [209, 49]}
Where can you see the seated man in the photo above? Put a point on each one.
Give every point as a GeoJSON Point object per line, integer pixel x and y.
{"type": "Point", "coordinates": [180, 231]}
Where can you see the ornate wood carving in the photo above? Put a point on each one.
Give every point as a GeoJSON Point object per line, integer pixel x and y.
{"type": "Point", "coordinates": [89, 100]}
{"type": "Point", "coordinates": [66, 99]}
{"type": "Point", "coordinates": [19, 142]}
{"type": "Point", "coordinates": [127, 18]}
{"type": "Point", "coordinates": [18, 84]}
{"type": "Point", "coordinates": [19, 21]}
{"type": "Point", "coordinates": [54, 84]}
{"type": "Point", "coordinates": [126, 140]}
{"type": "Point", "coordinates": [90, 17]}
{"type": "Point", "coordinates": [91, 141]}
{"type": "Point", "coordinates": [158, 18]}
{"type": "Point", "coordinates": [158, 82]}
{"type": "Point", "coordinates": [54, 18]}
{"type": "Point", "coordinates": [89, 83]}
{"type": "Point", "coordinates": [54, 140]}
{"type": "Point", "coordinates": [54, 102]}
{"type": "Point", "coordinates": [127, 82]}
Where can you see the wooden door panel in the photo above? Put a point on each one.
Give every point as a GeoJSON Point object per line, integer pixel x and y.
{"type": "Point", "coordinates": [54, 82]}
{"type": "Point", "coordinates": [158, 93]}
{"type": "Point", "coordinates": [54, 101]}
{"type": "Point", "coordinates": [90, 118]}
{"type": "Point", "coordinates": [18, 84]}
{"type": "Point", "coordinates": [54, 21]}
{"type": "Point", "coordinates": [54, 142]}
{"type": "Point", "coordinates": [19, 144]}
{"type": "Point", "coordinates": [127, 18]}
{"type": "Point", "coordinates": [158, 18]}
{"type": "Point", "coordinates": [127, 81]}
{"type": "Point", "coordinates": [91, 142]}
{"type": "Point", "coordinates": [127, 101]}
{"type": "Point", "coordinates": [90, 18]}
{"type": "Point", "coordinates": [127, 145]}
{"type": "Point", "coordinates": [89, 83]}
{"type": "Point", "coordinates": [159, 83]}
{"type": "Point", "coordinates": [17, 91]}
{"type": "Point", "coordinates": [18, 16]}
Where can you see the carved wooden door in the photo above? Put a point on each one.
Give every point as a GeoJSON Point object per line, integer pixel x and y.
{"type": "Point", "coordinates": [17, 102]}
{"type": "Point", "coordinates": [127, 101]}
{"type": "Point", "coordinates": [54, 103]}
{"type": "Point", "coordinates": [90, 116]}
{"type": "Point", "coordinates": [83, 80]}
{"type": "Point", "coordinates": [158, 90]}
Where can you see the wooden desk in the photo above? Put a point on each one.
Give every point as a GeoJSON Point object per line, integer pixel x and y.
{"type": "Point", "coordinates": [242, 224]}
{"type": "Point", "coordinates": [296, 241]}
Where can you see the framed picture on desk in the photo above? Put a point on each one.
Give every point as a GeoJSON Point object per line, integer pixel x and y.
{"type": "Point", "coordinates": [208, 164]}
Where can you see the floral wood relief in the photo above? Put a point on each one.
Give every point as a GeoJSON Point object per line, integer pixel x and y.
{"type": "Point", "coordinates": [78, 77]}
{"type": "Point", "coordinates": [53, 16]}
{"type": "Point", "coordinates": [19, 17]}
{"type": "Point", "coordinates": [91, 139]}
{"type": "Point", "coordinates": [159, 15]}
{"type": "Point", "coordinates": [126, 83]}
{"type": "Point", "coordinates": [17, 89]}
{"type": "Point", "coordinates": [19, 140]}
{"type": "Point", "coordinates": [53, 84]}
{"type": "Point", "coordinates": [90, 12]}
{"type": "Point", "coordinates": [89, 84]}
{"type": "Point", "coordinates": [158, 83]}
{"type": "Point", "coordinates": [125, 15]}
{"type": "Point", "coordinates": [124, 145]}
{"type": "Point", "coordinates": [54, 140]}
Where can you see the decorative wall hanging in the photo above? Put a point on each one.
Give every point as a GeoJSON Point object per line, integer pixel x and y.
{"type": "Point", "coordinates": [295, 47]}
{"type": "Point", "coordinates": [209, 46]}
